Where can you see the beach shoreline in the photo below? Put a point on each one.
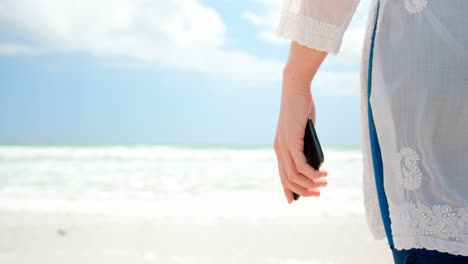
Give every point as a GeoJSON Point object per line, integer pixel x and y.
{"type": "Point", "coordinates": [67, 237]}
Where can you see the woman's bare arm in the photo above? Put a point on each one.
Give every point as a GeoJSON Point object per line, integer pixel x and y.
{"type": "Point", "coordinates": [296, 105]}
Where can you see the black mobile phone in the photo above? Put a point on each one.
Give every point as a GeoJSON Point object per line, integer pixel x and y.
{"type": "Point", "coordinates": [312, 149]}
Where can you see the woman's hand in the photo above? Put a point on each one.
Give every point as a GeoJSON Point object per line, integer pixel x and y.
{"type": "Point", "coordinates": [296, 106]}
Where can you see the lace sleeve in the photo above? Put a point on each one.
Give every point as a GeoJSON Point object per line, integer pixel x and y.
{"type": "Point", "coordinates": [318, 24]}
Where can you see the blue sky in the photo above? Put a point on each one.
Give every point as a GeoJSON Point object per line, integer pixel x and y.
{"type": "Point", "coordinates": [163, 72]}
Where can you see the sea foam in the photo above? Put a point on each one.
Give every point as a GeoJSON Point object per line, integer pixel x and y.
{"type": "Point", "coordinates": [164, 180]}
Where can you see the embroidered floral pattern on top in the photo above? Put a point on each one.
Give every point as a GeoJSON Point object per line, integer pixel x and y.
{"type": "Point", "coordinates": [415, 6]}
{"type": "Point", "coordinates": [407, 168]}
{"type": "Point", "coordinates": [440, 221]}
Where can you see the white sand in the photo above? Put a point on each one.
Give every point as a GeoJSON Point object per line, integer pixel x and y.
{"type": "Point", "coordinates": [71, 238]}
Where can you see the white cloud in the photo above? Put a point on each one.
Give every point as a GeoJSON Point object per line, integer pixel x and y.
{"type": "Point", "coordinates": [13, 49]}
{"type": "Point", "coordinates": [267, 21]}
{"type": "Point", "coordinates": [267, 24]}
{"type": "Point", "coordinates": [253, 18]}
{"type": "Point", "coordinates": [180, 34]}
{"type": "Point", "coordinates": [271, 37]}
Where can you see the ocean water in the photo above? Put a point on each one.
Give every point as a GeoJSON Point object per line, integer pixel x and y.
{"type": "Point", "coordinates": [176, 204]}
{"type": "Point", "coordinates": [165, 180]}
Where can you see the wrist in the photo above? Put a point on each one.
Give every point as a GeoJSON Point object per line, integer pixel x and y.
{"type": "Point", "coordinates": [301, 67]}
{"type": "Point", "coordinates": [296, 83]}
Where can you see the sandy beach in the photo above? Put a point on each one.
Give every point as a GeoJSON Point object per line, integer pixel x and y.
{"type": "Point", "coordinates": [159, 204]}
{"type": "Point", "coordinates": [69, 238]}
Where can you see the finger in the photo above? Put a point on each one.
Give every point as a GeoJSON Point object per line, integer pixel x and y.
{"type": "Point", "coordinates": [303, 191]}
{"type": "Point", "coordinates": [308, 183]}
{"type": "Point", "coordinates": [296, 177]}
{"type": "Point", "coordinates": [303, 167]}
{"type": "Point", "coordinates": [322, 182]}
{"type": "Point", "coordinates": [281, 170]}
{"type": "Point", "coordinates": [288, 193]}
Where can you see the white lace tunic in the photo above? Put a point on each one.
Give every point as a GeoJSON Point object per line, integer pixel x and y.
{"type": "Point", "coordinates": [419, 103]}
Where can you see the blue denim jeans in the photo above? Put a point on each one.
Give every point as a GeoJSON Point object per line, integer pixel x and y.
{"type": "Point", "coordinates": [411, 257]}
